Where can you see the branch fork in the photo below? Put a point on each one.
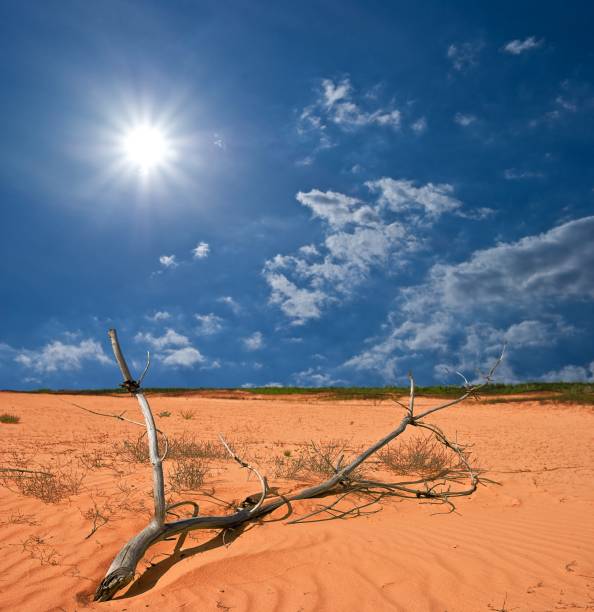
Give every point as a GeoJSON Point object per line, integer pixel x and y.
{"type": "Point", "coordinates": [122, 570]}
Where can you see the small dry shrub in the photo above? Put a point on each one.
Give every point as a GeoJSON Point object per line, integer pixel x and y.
{"type": "Point", "coordinates": [49, 484]}
{"type": "Point", "coordinates": [165, 413]}
{"type": "Point", "coordinates": [187, 446]}
{"type": "Point", "coordinates": [421, 455]}
{"type": "Point", "coordinates": [9, 418]}
{"type": "Point", "coordinates": [40, 549]}
{"type": "Point", "coordinates": [133, 451]}
{"type": "Point", "coordinates": [92, 459]}
{"type": "Point", "coordinates": [315, 459]}
{"type": "Point", "coordinates": [188, 474]}
{"type": "Point", "coordinates": [182, 447]}
{"type": "Point", "coordinates": [187, 414]}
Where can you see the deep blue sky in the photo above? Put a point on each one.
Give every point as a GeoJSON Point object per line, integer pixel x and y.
{"type": "Point", "coordinates": [377, 187]}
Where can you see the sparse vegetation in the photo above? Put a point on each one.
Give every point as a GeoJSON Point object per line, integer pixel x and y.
{"type": "Point", "coordinates": [12, 419]}
{"type": "Point", "coordinates": [188, 474]}
{"type": "Point", "coordinates": [165, 413]}
{"type": "Point", "coordinates": [186, 414]}
{"type": "Point", "coordinates": [559, 392]}
{"type": "Point", "coordinates": [48, 484]}
{"type": "Point", "coordinates": [314, 459]}
{"type": "Point", "coordinates": [421, 455]}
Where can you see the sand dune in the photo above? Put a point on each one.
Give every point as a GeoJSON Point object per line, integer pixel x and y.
{"type": "Point", "coordinates": [528, 542]}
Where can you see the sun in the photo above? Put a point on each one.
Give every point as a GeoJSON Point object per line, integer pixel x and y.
{"type": "Point", "coordinates": [146, 147]}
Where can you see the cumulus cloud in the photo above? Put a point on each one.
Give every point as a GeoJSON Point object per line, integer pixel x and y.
{"type": "Point", "coordinates": [254, 342]}
{"type": "Point", "coordinates": [359, 236]}
{"type": "Point", "coordinates": [402, 196]}
{"type": "Point", "coordinates": [59, 356]}
{"type": "Point", "coordinates": [517, 46]}
{"type": "Point", "coordinates": [208, 324]}
{"type": "Point", "coordinates": [298, 304]}
{"type": "Point", "coordinates": [522, 282]}
{"type": "Point", "coordinates": [186, 357]}
{"type": "Point", "coordinates": [201, 250]}
{"type": "Point", "coordinates": [168, 261]}
{"type": "Point", "coordinates": [571, 373]}
{"type": "Point", "coordinates": [169, 338]}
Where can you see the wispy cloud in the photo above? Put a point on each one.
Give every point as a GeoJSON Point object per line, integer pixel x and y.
{"type": "Point", "coordinates": [254, 342]}
{"type": "Point", "coordinates": [419, 126]}
{"type": "Point", "coordinates": [338, 108]}
{"type": "Point", "coordinates": [464, 119]}
{"type": "Point", "coordinates": [517, 46]}
{"type": "Point", "coordinates": [464, 56]}
{"type": "Point", "coordinates": [208, 324]}
{"type": "Point", "coordinates": [512, 174]}
{"type": "Point", "coordinates": [160, 315]}
{"type": "Point", "coordinates": [230, 302]}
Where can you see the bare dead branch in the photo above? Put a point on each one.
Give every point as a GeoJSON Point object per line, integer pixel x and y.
{"type": "Point", "coordinates": [436, 488]}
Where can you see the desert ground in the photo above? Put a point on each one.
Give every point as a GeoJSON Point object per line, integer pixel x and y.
{"type": "Point", "coordinates": [526, 543]}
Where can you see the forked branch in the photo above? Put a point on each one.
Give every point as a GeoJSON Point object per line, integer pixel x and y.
{"type": "Point", "coordinates": [436, 487]}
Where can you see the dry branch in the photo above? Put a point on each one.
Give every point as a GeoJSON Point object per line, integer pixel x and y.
{"type": "Point", "coordinates": [343, 480]}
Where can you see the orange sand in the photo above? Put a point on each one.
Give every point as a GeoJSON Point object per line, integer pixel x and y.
{"type": "Point", "coordinates": [529, 542]}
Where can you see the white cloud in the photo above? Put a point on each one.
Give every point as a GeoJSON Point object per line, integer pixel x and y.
{"type": "Point", "coordinates": [201, 250]}
{"type": "Point", "coordinates": [316, 377]}
{"type": "Point", "coordinates": [169, 338]}
{"type": "Point", "coordinates": [419, 126]}
{"type": "Point", "coordinates": [298, 304]}
{"type": "Point", "coordinates": [337, 106]}
{"type": "Point", "coordinates": [359, 237]}
{"type": "Point", "coordinates": [464, 56]}
{"type": "Point", "coordinates": [208, 324]}
{"type": "Point", "coordinates": [464, 119]}
{"type": "Point", "coordinates": [336, 208]}
{"type": "Point", "coordinates": [229, 301]}
{"type": "Point", "coordinates": [516, 47]}
{"type": "Point", "coordinates": [522, 281]}
{"type": "Point", "coordinates": [57, 355]}
{"type": "Point", "coordinates": [254, 342]}
{"type": "Point", "coordinates": [571, 373]}
{"type": "Point", "coordinates": [511, 174]}
{"type": "Point", "coordinates": [183, 357]}
{"type": "Point", "coordinates": [168, 261]}
{"type": "Point", "coordinates": [217, 141]}
{"type": "Point", "coordinates": [402, 195]}
{"type": "Point", "coordinates": [160, 315]}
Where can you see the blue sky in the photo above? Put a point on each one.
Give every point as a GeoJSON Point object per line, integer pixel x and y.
{"type": "Point", "coordinates": [353, 190]}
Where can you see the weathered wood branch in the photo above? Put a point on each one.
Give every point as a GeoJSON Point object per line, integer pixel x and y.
{"type": "Point", "coordinates": [122, 570]}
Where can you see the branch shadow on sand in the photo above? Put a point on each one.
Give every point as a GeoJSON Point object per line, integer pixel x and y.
{"type": "Point", "coordinates": [151, 576]}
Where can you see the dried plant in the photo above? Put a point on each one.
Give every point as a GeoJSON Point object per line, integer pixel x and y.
{"type": "Point", "coordinates": [188, 474]}
{"type": "Point", "coordinates": [186, 414]}
{"type": "Point", "coordinates": [40, 549]}
{"type": "Point", "coordinates": [49, 484]}
{"type": "Point", "coordinates": [421, 455]}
